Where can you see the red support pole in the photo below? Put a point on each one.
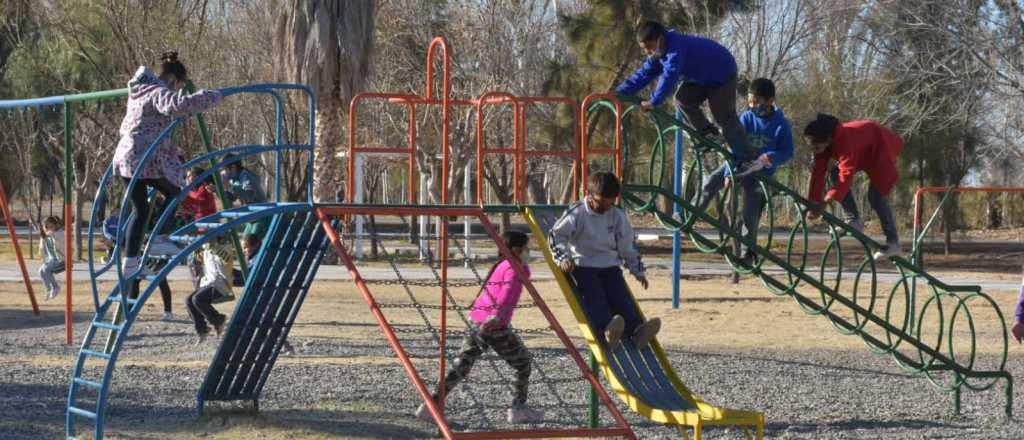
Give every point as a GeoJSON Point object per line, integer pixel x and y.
{"type": "Point", "coordinates": [435, 409]}
{"type": "Point", "coordinates": [17, 249]}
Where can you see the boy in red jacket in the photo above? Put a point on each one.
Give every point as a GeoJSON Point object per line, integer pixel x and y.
{"type": "Point", "coordinates": [856, 146]}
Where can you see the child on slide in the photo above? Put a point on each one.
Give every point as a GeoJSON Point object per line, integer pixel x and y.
{"type": "Point", "coordinates": [491, 318]}
{"type": "Point", "coordinates": [590, 241]}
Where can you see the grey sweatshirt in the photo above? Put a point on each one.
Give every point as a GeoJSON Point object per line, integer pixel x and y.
{"type": "Point", "coordinates": [595, 240]}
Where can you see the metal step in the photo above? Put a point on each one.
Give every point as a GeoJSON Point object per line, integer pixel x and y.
{"type": "Point", "coordinates": [94, 353]}
{"type": "Point", "coordinates": [82, 412]}
{"type": "Point", "coordinates": [88, 383]}
{"type": "Point", "coordinates": [107, 325]}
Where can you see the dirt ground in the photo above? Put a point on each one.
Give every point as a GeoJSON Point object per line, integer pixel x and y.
{"type": "Point", "coordinates": [715, 317]}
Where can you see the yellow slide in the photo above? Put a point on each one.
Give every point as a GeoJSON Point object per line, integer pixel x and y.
{"type": "Point", "coordinates": [643, 378]}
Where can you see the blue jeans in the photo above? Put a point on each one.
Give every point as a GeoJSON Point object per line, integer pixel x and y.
{"type": "Point", "coordinates": [604, 294]}
{"type": "Point", "coordinates": [753, 201]}
{"type": "Point", "coordinates": [46, 272]}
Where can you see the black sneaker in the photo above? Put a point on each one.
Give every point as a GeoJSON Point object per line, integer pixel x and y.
{"type": "Point", "coordinates": [746, 261]}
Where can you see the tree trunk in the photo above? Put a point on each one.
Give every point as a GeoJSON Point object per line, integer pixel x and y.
{"type": "Point", "coordinates": [328, 172]}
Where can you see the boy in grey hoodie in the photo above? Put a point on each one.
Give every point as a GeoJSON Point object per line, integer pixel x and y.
{"type": "Point", "coordinates": [590, 241]}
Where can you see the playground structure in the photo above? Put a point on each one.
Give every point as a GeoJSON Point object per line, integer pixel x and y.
{"type": "Point", "coordinates": [643, 378]}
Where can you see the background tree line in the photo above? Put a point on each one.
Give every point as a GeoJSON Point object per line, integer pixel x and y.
{"type": "Point", "coordinates": [948, 75]}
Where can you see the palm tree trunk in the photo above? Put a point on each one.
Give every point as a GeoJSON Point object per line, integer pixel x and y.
{"type": "Point", "coordinates": [328, 173]}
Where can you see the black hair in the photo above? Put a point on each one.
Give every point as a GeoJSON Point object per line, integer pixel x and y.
{"type": "Point", "coordinates": [169, 64]}
{"type": "Point", "coordinates": [821, 128]}
{"type": "Point", "coordinates": [762, 88]}
{"type": "Point", "coordinates": [52, 219]}
{"type": "Point", "coordinates": [512, 239]}
{"type": "Point", "coordinates": [233, 156]}
{"type": "Point", "coordinates": [196, 171]}
{"type": "Point", "coordinates": [604, 184]}
{"type": "Point", "coordinates": [649, 30]}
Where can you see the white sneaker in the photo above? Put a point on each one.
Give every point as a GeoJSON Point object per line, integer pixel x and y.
{"type": "Point", "coordinates": [423, 413]}
{"type": "Point", "coordinates": [168, 316]}
{"type": "Point", "coordinates": [613, 333]}
{"type": "Point", "coordinates": [889, 250]}
{"type": "Point", "coordinates": [524, 414]}
{"type": "Point", "coordinates": [52, 294]}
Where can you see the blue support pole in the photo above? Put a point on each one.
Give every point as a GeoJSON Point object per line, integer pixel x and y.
{"type": "Point", "coordinates": [677, 187]}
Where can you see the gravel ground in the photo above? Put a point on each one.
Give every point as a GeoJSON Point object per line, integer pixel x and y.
{"type": "Point", "coordinates": [354, 389]}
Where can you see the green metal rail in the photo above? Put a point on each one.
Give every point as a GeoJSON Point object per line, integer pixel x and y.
{"type": "Point", "coordinates": [923, 330]}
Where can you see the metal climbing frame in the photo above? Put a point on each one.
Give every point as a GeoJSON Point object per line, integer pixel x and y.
{"type": "Point", "coordinates": [920, 231]}
{"type": "Point", "coordinates": [327, 212]}
{"type": "Point", "coordinates": [926, 347]}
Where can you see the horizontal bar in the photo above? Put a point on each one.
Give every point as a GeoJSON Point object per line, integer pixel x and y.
{"type": "Point", "coordinates": [87, 383]}
{"type": "Point", "coordinates": [545, 433]}
{"type": "Point", "coordinates": [32, 102]}
{"type": "Point", "coordinates": [95, 354]}
{"type": "Point", "coordinates": [121, 299]}
{"type": "Point", "coordinates": [550, 153]}
{"type": "Point", "coordinates": [499, 150]}
{"type": "Point", "coordinates": [82, 412]}
{"type": "Point", "coordinates": [96, 96]}
{"type": "Point", "coordinates": [403, 150]}
{"type": "Point", "coordinates": [457, 211]}
{"type": "Point", "coordinates": [106, 325]}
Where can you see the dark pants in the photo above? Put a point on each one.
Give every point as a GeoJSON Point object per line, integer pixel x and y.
{"type": "Point", "coordinates": [753, 200]}
{"type": "Point", "coordinates": [507, 345]}
{"type": "Point", "coordinates": [722, 101]}
{"type": "Point", "coordinates": [165, 292]}
{"type": "Point", "coordinates": [140, 204]}
{"type": "Point", "coordinates": [878, 202]}
{"type": "Point", "coordinates": [605, 294]}
{"type": "Point", "coordinates": [201, 310]}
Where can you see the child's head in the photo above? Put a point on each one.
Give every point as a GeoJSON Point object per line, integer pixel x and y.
{"type": "Point", "coordinates": [818, 132]}
{"type": "Point", "coordinates": [761, 97]}
{"type": "Point", "coordinates": [172, 71]}
{"type": "Point", "coordinates": [233, 167]}
{"type": "Point", "coordinates": [516, 241]}
{"type": "Point", "coordinates": [51, 224]}
{"type": "Point", "coordinates": [250, 243]}
{"type": "Point", "coordinates": [603, 188]}
{"type": "Point", "coordinates": [651, 36]}
{"type": "Point", "coordinates": [198, 171]}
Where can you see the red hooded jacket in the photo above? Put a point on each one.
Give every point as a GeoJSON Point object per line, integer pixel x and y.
{"type": "Point", "coordinates": [858, 146]}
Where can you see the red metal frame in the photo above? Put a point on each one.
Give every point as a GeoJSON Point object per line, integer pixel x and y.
{"type": "Point", "coordinates": [585, 150]}
{"type": "Point", "coordinates": [437, 411]}
{"type": "Point", "coordinates": [9, 219]}
{"type": "Point", "coordinates": [353, 148]}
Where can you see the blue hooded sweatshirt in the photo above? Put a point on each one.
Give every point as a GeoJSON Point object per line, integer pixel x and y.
{"type": "Point", "coordinates": [772, 136]}
{"type": "Point", "coordinates": [688, 58]}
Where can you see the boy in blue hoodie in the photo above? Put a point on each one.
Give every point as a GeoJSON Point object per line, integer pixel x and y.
{"type": "Point", "coordinates": [708, 73]}
{"type": "Point", "coordinates": [770, 133]}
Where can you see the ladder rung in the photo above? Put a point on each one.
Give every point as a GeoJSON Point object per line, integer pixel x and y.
{"type": "Point", "coordinates": [82, 412]}
{"type": "Point", "coordinates": [95, 354]}
{"type": "Point", "coordinates": [106, 325]}
{"type": "Point", "coordinates": [207, 225]}
{"type": "Point", "coordinates": [88, 383]}
{"type": "Point", "coordinates": [234, 214]}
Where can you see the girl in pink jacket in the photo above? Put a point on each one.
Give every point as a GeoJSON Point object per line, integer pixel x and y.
{"type": "Point", "coordinates": [153, 103]}
{"type": "Point", "coordinates": [491, 318]}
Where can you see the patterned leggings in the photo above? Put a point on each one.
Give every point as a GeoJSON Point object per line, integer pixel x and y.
{"type": "Point", "coordinates": [504, 342]}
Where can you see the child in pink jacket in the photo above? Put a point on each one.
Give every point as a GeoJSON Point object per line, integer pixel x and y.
{"type": "Point", "coordinates": [491, 318]}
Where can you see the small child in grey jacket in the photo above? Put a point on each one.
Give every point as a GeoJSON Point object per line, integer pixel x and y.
{"type": "Point", "coordinates": [590, 241]}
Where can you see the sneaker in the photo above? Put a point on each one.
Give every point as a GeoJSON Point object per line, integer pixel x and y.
{"type": "Point", "coordinates": [423, 413]}
{"type": "Point", "coordinates": [746, 260]}
{"type": "Point", "coordinates": [613, 332]}
{"type": "Point", "coordinates": [200, 338]}
{"type": "Point", "coordinates": [645, 332]}
{"type": "Point", "coordinates": [889, 250]}
{"type": "Point", "coordinates": [856, 224]}
{"type": "Point", "coordinates": [52, 294]}
{"type": "Point", "coordinates": [524, 414]}
{"type": "Point", "coordinates": [168, 316]}
{"type": "Point", "coordinates": [219, 327]}
{"type": "Point", "coordinates": [749, 167]}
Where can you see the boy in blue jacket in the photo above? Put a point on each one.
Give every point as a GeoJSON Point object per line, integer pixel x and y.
{"type": "Point", "coordinates": [708, 73]}
{"type": "Point", "coordinates": [772, 136]}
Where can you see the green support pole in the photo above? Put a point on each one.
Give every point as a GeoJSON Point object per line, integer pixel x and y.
{"type": "Point", "coordinates": [204, 134]}
{"type": "Point", "coordinates": [593, 394]}
{"type": "Point", "coordinates": [68, 325]}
